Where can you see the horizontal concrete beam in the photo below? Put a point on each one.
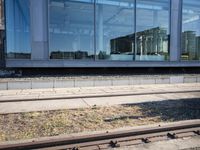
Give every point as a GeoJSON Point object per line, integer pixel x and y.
{"type": "Point", "coordinates": [84, 63]}
{"type": "Point", "coordinates": [40, 84]}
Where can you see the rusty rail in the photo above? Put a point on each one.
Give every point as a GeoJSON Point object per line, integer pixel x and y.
{"type": "Point", "coordinates": [114, 139]}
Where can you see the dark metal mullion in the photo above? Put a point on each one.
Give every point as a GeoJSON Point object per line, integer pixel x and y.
{"type": "Point", "coordinates": [170, 30]}
{"type": "Point", "coordinates": [95, 47]}
{"type": "Point", "coordinates": [180, 31]}
{"type": "Point", "coordinates": [5, 34]}
{"type": "Point", "coordinates": [135, 41]}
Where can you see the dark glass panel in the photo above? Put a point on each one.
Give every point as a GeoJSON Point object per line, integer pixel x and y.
{"type": "Point", "coordinates": [18, 29]}
{"type": "Point", "coordinates": [71, 29]}
{"type": "Point", "coordinates": [115, 29]}
{"type": "Point", "coordinates": [152, 27]}
{"type": "Point", "coordinates": [190, 30]}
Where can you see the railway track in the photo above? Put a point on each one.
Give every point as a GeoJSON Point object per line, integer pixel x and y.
{"type": "Point", "coordinates": [109, 140]}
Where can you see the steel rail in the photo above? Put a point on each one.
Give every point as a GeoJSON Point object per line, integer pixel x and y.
{"type": "Point", "coordinates": [128, 141]}
{"type": "Point", "coordinates": [101, 141]}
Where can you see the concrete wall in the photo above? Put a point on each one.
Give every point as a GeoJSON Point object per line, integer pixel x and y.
{"type": "Point", "coordinates": [39, 84]}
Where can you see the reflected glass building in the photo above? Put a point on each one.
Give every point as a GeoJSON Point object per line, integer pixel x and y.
{"type": "Point", "coordinates": [190, 30]}
{"type": "Point", "coordinates": [18, 29]}
{"type": "Point", "coordinates": [101, 33]}
{"type": "Point", "coordinates": [2, 33]}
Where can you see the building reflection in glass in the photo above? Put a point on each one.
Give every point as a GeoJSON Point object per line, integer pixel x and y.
{"type": "Point", "coordinates": [115, 30]}
{"type": "Point", "coordinates": [152, 30]}
{"type": "Point", "coordinates": [78, 30]}
{"type": "Point", "coordinates": [18, 29]}
{"type": "Point", "coordinates": [114, 24]}
{"type": "Point", "coordinates": [71, 29]}
{"type": "Point", "coordinates": [152, 42]}
{"type": "Point", "coordinates": [2, 31]}
{"type": "Point", "coordinates": [190, 49]}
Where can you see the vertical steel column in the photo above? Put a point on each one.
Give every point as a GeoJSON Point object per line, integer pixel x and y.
{"type": "Point", "coordinates": [39, 29]}
{"type": "Point", "coordinates": [135, 30]}
{"type": "Point", "coordinates": [95, 40]}
{"type": "Point", "coordinates": [100, 27]}
{"type": "Point", "coordinates": [175, 30]}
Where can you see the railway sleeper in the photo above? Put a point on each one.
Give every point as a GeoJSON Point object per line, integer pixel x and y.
{"type": "Point", "coordinates": [114, 144]}
{"type": "Point", "coordinates": [197, 132]}
{"type": "Point", "coordinates": [146, 140]}
{"type": "Point", "coordinates": [172, 135]}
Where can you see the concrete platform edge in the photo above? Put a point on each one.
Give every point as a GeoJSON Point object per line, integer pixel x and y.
{"type": "Point", "coordinates": [39, 84]}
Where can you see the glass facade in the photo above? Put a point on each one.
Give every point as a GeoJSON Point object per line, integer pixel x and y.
{"type": "Point", "coordinates": [18, 29]}
{"type": "Point", "coordinates": [115, 29]}
{"type": "Point", "coordinates": [125, 30]}
{"type": "Point", "coordinates": [71, 29]}
{"type": "Point", "coordinates": [2, 30]}
{"type": "Point", "coordinates": [152, 30]}
{"type": "Point", "coordinates": [190, 49]}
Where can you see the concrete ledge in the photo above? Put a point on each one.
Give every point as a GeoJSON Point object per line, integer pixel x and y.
{"type": "Point", "coordinates": [19, 85]}
{"type": "Point", "coordinates": [102, 83]}
{"type": "Point", "coordinates": [84, 83]}
{"type": "Point", "coordinates": [12, 63]}
{"type": "Point", "coordinates": [42, 84]}
{"type": "Point", "coordinates": [120, 82]}
{"type": "Point", "coordinates": [190, 79]}
{"type": "Point", "coordinates": [148, 81]}
{"type": "Point", "coordinates": [176, 79]}
{"type": "Point", "coordinates": [39, 84]}
{"type": "Point", "coordinates": [162, 80]}
{"type": "Point", "coordinates": [4, 86]}
{"type": "Point", "coordinates": [198, 79]}
{"type": "Point", "coordinates": [135, 81]}
{"type": "Point", "coordinates": [63, 83]}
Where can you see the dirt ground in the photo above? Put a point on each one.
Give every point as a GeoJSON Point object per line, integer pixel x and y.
{"type": "Point", "coordinates": [51, 123]}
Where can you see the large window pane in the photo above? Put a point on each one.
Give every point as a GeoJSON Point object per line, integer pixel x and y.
{"type": "Point", "coordinates": [191, 30]}
{"type": "Point", "coordinates": [71, 29]}
{"type": "Point", "coordinates": [115, 29]}
{"type": "Point", "coordinates": [2, 31]}
{"type": "Point", "coordinates": [152, 27]}
{"type": "Point", "coordinates": [18, 29]}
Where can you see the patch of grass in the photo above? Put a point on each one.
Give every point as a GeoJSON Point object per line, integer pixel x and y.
{"type": "Point", "coordinates": [51, 123]}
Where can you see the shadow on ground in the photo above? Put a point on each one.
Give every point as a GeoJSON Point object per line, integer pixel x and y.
{"type": "Point", "coordinates": [173, 110]}
{"type": "Point", "coordinates": [52, 123]}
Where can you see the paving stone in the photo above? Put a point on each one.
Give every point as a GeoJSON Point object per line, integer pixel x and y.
{"type": "Point", "coordinates": [30, 106]}
{"type": "Point", "coordinates": [139, 90]}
